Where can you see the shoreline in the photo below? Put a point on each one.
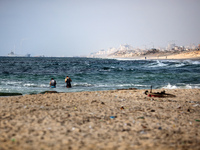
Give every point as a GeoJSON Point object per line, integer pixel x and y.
{"type": "Point", "coordinates": [54, 91]}
{"type": "Point", "coordinates": [175, 57]}
{"type": "Point", "coordinates": [150, 57]}
{"type": "Point", "coordinates": [193, 55]}
{"type": "Point", "coordinates": [115, 119]}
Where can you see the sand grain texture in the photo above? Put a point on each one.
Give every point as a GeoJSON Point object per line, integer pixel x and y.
{"type": "Point", "coordinates": [119, 119]}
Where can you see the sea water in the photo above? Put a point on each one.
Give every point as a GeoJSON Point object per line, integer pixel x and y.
{"type": "Point", "coordinates": [32, 75]}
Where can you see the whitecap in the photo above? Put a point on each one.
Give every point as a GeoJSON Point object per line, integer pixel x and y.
{"type": "Point", "coordinates": [192, 62]}
{"type": "Point", "coordinates": [193, 86]}
{"type": "Point", "coordinates": [182, 86]}
{"type": "Point", "coordinates": [30, 85]}
{"type": "Point", "coordinates": [82, 84]}
{"type": "Point", "coordinates": [34, 85]}
{"type": "Point", "coordinates": [11, 82]}
{"type": "Point", "coordinates": [87, 63]}
{"type": "Point", "coordinates": [169, 86]}
{"type": "Point", "coordinates": [101, 70]}
{"type": "Point", "coordinates": [196, 62]}
{"type": "Point", "coordinates": [158, 64]}
{"type": "Point", "coordinates": [179, 65]}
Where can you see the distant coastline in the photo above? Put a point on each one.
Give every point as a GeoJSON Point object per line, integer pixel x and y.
{"type": "Point", "coordinates": [171, 55]}
{"type": "Point", "coordinates": [194, 54]}
{"type": "Point", "coordinates": [172, 51]}
{"type": "Point", "coordinates": [150, 54]}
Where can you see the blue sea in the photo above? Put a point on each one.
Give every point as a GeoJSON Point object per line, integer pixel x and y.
{"type": "Point", "coordinates": [32, 75]}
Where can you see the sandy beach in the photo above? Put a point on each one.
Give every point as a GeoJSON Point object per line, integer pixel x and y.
{"type": "Point", "coordinates": [119, 119]}
{"type": "Point", "coordinates": [181, 55]}
{"type": "Point", "coordinates": [192, 55]}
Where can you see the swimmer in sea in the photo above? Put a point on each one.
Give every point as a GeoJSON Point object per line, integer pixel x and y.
{"type": "Point", "coordinates": [52, 83]}
{"type": "Point", "coordinates": [68, 81]}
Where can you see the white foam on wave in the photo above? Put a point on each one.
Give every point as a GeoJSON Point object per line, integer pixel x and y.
{"type": "Point", "coordinates": [193, 62]}
{"type": "Point", "coordinates": [29, 85]}
{"type": "Point", "coordinates": [182, 86]}
{"type": "Point", "coordinates": [102, 70]}
{"type": "Point", "coordinates": [158, 64]}
{"type": "Point", "coordinates": [196, 62]}
{"type": "Point", "coordinates": [179, 65]}
{"type": "Point", "coordinates": [87, 63]}
{"type": "Point", "coordinates": [112, 67]}
{"type": "Point", "coordinates": [121, 85]}
{"type": "Point", "coordinates": [82, 84]}
{"type": "Point", "coordinates": [169, 86]}
{"type": "Point", "coordinates": [161, 64]}
{"type": "Point", "coordinates": [192, 86]}
{"type": "Point", "coordinates": [34, 85]}
{"type": "Point", "coordinates": [11, 82]}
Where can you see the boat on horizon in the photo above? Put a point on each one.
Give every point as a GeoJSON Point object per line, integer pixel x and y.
{"type": "Point", "coordinates": [12, 54]}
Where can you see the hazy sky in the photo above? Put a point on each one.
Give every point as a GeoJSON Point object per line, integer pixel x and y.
{"type": "Point", "coordinates": [79, 27]}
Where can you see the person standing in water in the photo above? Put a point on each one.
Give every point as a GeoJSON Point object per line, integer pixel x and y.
{"type": "Point", "coordinates": [68, 81]}
{"type": "Point", "coordinates": [52, 83]}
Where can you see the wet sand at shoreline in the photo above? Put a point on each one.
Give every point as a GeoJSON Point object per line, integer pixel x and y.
{"type": "Point", "coordinates": [118, 119]}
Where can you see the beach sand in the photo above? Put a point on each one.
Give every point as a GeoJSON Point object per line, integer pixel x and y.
{"type": "Point", "coordinates": [193, 55]}
{"type": "Point", "coordinates": [111, 120]}
{"type": "Point", "coordinates": [181, 55]}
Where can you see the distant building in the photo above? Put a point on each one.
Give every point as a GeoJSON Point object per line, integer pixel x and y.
{"type": "Point", "coordinates": [179, 48]}
{"type": "Point", "coordinates": [171, 46]}
{"type": "Point", "coordinates": [12, 54]}
{"type": "Point", "coordinates": [125, 47]}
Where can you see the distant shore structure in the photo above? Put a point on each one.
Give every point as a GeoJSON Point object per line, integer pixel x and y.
{"type": "Point", "coordinates": [128, 51]}
{"type": "Point", "coordinates": [12, 54]}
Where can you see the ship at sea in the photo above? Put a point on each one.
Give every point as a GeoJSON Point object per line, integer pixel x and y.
{"type": "Point", "coordinates": [12, 54]}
